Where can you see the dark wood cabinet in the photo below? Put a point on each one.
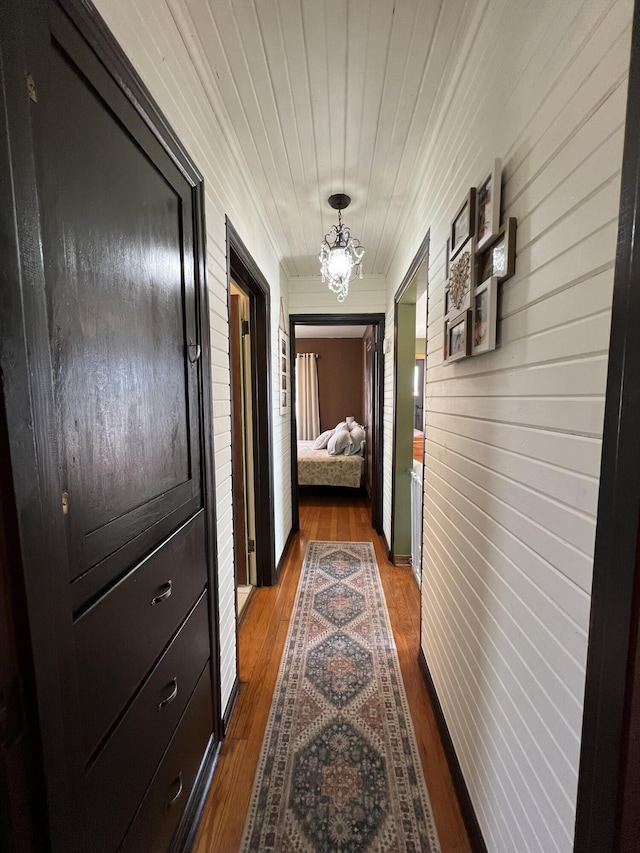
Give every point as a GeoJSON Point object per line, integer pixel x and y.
{"type": "Point", "coordinates": [106, 385]}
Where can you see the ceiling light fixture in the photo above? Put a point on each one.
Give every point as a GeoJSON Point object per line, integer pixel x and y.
{"type": "Point", "coordinates": [340, 253]}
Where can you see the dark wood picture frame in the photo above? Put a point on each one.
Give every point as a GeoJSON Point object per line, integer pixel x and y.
{"type": "Point", "coordinates": [458, 275]}
{"type": "Point", "coordinates": [464, 320]}
{"type": "Point", "coordinates": [463, 224]}
{"type": "Point", "coordinates": [484, 306]}
{"type": "Point", "coordinates": [488, 197]}
{"type": "Point", "coordinates": [284, 372]}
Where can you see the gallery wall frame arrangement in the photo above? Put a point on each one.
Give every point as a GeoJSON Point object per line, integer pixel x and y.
{"type": "Point", "coordinates": [480, 256]}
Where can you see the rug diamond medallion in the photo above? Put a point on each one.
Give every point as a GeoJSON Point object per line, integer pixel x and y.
{"type": "Point", "coordinates": [339, 791]}
{"type": "Point", "coordinates": [340, 668]}
{"type": "Point", "coordinates": [339, 770]}
{"type": "Point", "coordinates": [339, 564]}
{"type": "Point", "coordinates": [339, 603]}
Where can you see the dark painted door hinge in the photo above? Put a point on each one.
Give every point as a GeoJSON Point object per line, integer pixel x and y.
{"type": "Point", "coordinates": [245, 327]}
{"type": "Point", "coordinates": [251, 546]}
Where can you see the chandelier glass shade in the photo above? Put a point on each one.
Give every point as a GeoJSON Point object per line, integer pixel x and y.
{"type": "Point", "coordinates": [340, 253]}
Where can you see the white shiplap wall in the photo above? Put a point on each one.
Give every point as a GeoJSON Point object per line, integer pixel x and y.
{"type": "Point", "coordinates": [310, 296]}
{"type": "Point", "coordinates": [513, 437]}
{"type": "Point", "coordinates": [158, 42]}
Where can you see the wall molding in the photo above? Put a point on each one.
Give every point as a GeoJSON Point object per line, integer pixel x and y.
{"type": "Point", "coordinates": [231, 704]}
{"type": "Point", "coordinates": [462, 792]}
{"type": "Point", "coordinates": [285, 550]}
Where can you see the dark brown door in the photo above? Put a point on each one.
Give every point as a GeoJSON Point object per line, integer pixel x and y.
{"type": "Point", "coordinates": [117, 494]}
{"type": "Point", "coordinates": [118, 254]}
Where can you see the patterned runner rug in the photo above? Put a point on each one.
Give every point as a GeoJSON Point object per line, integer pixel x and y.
{"type": "Point", "coordinates": [339, 770]}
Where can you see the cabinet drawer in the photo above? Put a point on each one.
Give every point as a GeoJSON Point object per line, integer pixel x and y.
{"type": "Point", "coordinates": [157, 819]}
{"type": "Point", "coordinates": [117, 780]}
{"type": "Point", "coordinates": [121, 636]}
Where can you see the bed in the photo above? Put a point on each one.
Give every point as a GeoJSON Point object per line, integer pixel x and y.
{"type": "Point", "coordinates": [317, 468]}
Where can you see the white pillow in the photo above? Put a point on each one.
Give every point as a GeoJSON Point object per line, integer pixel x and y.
{"type": "Point", "coordinates": [350, 422]}
{"type": "Point", "coordinates": [357, 437]}
{"type": "Point", "coordinates": [322, 440]}
{"type": "Point", "coordinates": [340, 443]}
{"type": "Point", "coordinates": [341, 425]}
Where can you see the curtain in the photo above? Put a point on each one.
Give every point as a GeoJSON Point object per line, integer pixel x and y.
{"type": "Point", "coordinates": [307, 406]}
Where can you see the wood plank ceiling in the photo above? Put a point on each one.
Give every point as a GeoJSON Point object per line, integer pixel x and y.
{"type": "Point", "coordinates": [325, 96]}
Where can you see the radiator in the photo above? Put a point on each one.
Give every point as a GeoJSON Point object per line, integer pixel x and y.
{"type": "Point", "coordinates": [416, 521]}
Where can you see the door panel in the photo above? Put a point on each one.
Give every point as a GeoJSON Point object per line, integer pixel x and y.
{"type": "Point", "coordinates": [121, 316]}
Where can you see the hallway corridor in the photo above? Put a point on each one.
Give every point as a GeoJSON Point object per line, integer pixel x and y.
{"type": "Point", "coordinates": [261, 640]}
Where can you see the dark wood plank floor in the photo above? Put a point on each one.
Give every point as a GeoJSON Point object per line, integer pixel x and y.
{"type": "Point", "coordinates": [261, 640]}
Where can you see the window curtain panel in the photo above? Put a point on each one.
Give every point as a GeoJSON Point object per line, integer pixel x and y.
{"type": "Point", "coordinates": [307, 405]}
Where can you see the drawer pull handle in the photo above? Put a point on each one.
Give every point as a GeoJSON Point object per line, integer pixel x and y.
{"type": "Point", "coordinates": [176, 796]}
{"type": "Point", "coordinates": [162, 596]}
{"type": "Point", "coordinates": [170, 697]}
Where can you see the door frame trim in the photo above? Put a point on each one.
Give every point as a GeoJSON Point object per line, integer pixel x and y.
{"type": "Point", "coordinates": [362, 319]}
{"type": "Point", "coordinates": [609, 656]}
{"type": "Point", "coordinates": [414, 266]}
{"type": "Point", "coordinates": [242, 266]}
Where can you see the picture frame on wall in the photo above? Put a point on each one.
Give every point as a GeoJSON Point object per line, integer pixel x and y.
{"type": "Point", "coordinates": [500, 258]}
{"type": "Point", "coordinates": [283, 361]}
{"type": "Point", "coordinates": [485, 307]}
{"type": "Point", "coordinates": [458, 337]}
{"type": "Point", "coordinates": [461, 281]}
{"type": "Point", "coordinates": [446, 258]}
{"type": "Point", "coordinates": [488, 207]}
{"type": "Point", "coordinates": [463, 224]}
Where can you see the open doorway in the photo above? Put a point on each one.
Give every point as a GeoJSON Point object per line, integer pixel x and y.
{"type": "Point", "coordinates": [244, 508]}
{"type": "Point", "coordinates": [409, 414]}
{"type": "Point", "coordinates": [251, 416]}
{"type": "Point", "coordinates": [351, 388]}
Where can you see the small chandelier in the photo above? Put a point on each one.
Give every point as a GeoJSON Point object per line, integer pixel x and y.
{"type": "Point", "coordinates": [340, 253]}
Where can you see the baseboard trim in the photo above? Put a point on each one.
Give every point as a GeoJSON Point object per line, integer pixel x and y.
{"type": "Point", "coordinates": [185, 836]}
{"type": "Point", "coordinates": [284, 554]}
{"type": "Point", "coordinates": [231, 704]}
{"type": "Point", "coordinates": [462, 792]}
{"type": "Point", "coordinates": [402, 560]}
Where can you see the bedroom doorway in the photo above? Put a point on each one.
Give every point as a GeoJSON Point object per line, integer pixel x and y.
{"type": "Point", "coordinates": [409, 414]}
{"type": "Point", "coordinates": [348, 350]}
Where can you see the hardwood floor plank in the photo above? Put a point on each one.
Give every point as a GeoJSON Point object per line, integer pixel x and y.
{"type": "Point", "coordinates": [260, 642]}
